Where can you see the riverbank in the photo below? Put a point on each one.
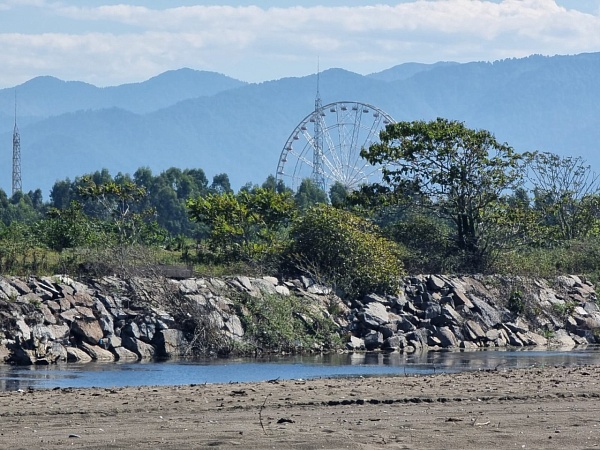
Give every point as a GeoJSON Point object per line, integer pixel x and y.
{"type": "Point", "coordinates": [49, 320]}
{"type": "Point", "coordinates": [540, 407]}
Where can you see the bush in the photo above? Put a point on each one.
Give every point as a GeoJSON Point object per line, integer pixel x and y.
{"type": "Point", "coordinates": [345, 251]}
{"type": "Point", "coordinates": [275, 323]}
{"type": "Point", "coordinates": [428, 243]}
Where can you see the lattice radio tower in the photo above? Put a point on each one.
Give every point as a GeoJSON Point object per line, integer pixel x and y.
{"type": "Point", "coordinates": [318, 173]}
{"type": "Point", "coordinates": [16, 157]}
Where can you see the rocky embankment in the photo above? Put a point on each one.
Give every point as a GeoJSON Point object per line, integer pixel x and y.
{"type": "Point", "coordinates": [44, 320]}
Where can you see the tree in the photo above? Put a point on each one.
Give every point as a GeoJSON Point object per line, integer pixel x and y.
{"type": "Point", "coordinates": [127, 229]}
{"type": "Point", "coordinates": [565, 195]}
{"type": "Point", "coordinates": [221, 184]}
{"type": "Point", "coordinates": [245, 225]}
{"type": "Point", "coordinates": [275, 185]}
{"type": "Point", "coordinates": [68, 228]}
{"type": "Point", "coordinates": [338, 193]}
{"type": "Point", "coordinates": [458, 173]}
{"type": "Point", "coordinates": [346, 251]}
{"type": "Point", "coordinates": [309, 194]}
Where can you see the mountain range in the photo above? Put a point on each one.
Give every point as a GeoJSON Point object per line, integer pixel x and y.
{"type": "Point", "coordinates": [195, 119]}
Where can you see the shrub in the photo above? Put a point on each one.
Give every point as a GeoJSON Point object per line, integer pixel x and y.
{"type": "Point", "coordinates": [346, 251]}
{"type": "Point", "coordinates": [275, 323]}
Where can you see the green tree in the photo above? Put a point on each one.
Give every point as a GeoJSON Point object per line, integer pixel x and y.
{"type": "Point", "coordinates": [127, 229]}
{"type": "Point", "coordinates": [458, 173]}
{"type": "Point", "coordinates": [68, 228]}
{"type": "Point", "coordinates": [221, 184]}
{"type": "Point", "coordinates": [246, 225]}
{"type": "Point", "coordinates": [346, 251]}
{"type": "Point", "coordinates": [309, 194]}
{"type": "Point", "coordinates": [338, 194]}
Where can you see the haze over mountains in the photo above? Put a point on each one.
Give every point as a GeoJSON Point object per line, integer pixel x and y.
{"type": "Point", "coordinates": [194, 119]}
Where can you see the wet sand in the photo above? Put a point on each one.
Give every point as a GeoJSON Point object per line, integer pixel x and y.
{"type": "Point", "coordinates": [536, 408]}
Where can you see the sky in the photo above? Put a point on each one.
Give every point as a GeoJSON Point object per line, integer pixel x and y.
{"type": "Point", "coordinates": [108, 42]}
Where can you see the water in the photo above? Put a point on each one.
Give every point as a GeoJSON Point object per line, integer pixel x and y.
{"type": "Point", "coordinates": [293, 367]}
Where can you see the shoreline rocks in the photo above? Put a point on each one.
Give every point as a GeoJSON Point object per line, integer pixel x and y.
{"type": "Point", "coordinates": [45, 320]}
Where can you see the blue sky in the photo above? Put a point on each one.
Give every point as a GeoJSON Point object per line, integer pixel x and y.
{"type": "Point", "coordinates": [112, 42]}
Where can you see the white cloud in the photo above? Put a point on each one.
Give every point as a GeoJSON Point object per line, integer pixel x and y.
{"type": "Point", "coordinates": [131, 43]}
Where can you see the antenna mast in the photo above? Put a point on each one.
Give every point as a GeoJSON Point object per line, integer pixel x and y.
{"type": "Point", "coordinates": [318, 173]}
{"type": "Point", "coordinates": [16, 157]}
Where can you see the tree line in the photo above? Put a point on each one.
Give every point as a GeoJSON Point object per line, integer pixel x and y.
{"type": "Point", "coordinates": [450, 200]}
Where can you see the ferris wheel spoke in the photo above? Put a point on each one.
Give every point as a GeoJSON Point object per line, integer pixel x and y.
{"type": "Point", "coordinates": [331, 152]}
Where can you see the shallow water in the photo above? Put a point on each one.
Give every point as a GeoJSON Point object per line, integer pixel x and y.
{"type": "Point", "coordinates": [282, 367]}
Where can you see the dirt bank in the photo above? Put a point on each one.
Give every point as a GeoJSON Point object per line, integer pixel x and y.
{"type": "Point", "coordinates": [553, 407]}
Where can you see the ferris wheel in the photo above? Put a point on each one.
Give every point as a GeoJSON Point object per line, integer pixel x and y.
{"type": "Point", "coordinates": [326, 145]}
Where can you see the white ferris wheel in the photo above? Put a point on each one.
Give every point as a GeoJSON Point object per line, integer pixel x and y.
{"type": "Point", "coordinates": [326, 146]}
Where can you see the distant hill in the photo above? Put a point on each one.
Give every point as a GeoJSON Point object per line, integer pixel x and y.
{"type": "Point", "coordinates": [47, 96]}
{"type": "Point", "coordinates": [192, 119]}
{"type": "Point", "coordinates": [407, 70]}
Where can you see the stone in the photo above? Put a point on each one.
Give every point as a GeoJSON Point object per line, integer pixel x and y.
{"type": "Point", "coordinates": [60, 332]}
{"type": "Point", "coordinates": [474, 331]}
{"type": "Point", "coordinates": [70, 315]}
{"type": "Point", "coordinates": [48, 316]}
{"type": "Point", "coordinates": [170, 343]}
{"type": "Point", "coordinates": [75, 354]}
{"type": "Point", "coordinates": [446, 337]}
{"type": "Point", "coordinates": [355, 343]}
{"type": "Point", "coordinates": [244, 282]}
{"type": "Point", "coordinates": [7, 291]}
{"type": "Point", "coordinates": [374, 315]}
{"type": "Point", "coordinates": [140, 348]}
{"type": "Point", "coordinates": [20, 286]}
{"type": "Point", "coordinates": [273, 280]}
{"type": "Point", "coordinates": [562, 339]}
{"type": "Point", "coordinates": [282, 290]}
{"type": "Point", "coordinates": [492, 335]}
{"type": "Point", "coordinates": [22, 330]}
{"type": "Point", "coordinates": [591, 307]}
{"type": "Point", "coordinates": [264, 286]}
{"type": "Point", "coordinates": [387, 331]}
{"type": "Point", "coordinates": [536, 339]}
{"type": "Point", "coordinates": [373, 340]}
{"type": "Point", "coordinates": [404, 324]}
{"type": "Point", "coordinates": [233, 325]}
{"type": "Point", "coordinates": [87, 331]}
{"type": "Point", "coordinates": [490, 316]}
{"type": "Point", "coordinates": [394, 343]}
{"type": "Point", "coordinates": [518, 326]}
{"type": "Point", "coordinates": [373, 298]}
{"type": "Point", "coordinates": [448, 316]}
{"type": "Point", "coordinates": [418, 338]}
{"type": "Point", "coordinates": [122, 354]}
{"type": "Point", "coordinates": [82, 299]}
{"type": "Point", "coordinates": [131, 330]}
{"type": "Point", "coordinates": [65, 304]}
{"type": "Point", "coordinates": [97, 353]}
{"type": "Point", "coordinates": [53, 306]}
{"type": "Point", "coordinates": [433, 310]}
{"type": "Point", "coordinates": [468, 345]}
{"type": "Point", "coordinates": [460, 298]}
{"type": "Point", "coordinates": [513, 339]}
{"type": "Point", "coordinates": [435, 283]}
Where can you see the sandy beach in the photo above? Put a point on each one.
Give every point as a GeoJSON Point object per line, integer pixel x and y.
{"type": "Point", "coordinates": [549, 407]}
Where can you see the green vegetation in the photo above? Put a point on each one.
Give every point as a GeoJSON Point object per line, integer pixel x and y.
{"type": "Point", "coordinates": [451, 200]}
{"type": "Point", "coordinates": [346, 251]}
{"type": "Point", "coordinates": [285, 324]}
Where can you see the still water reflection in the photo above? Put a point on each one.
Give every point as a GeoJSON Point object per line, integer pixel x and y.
{"type": "Point", "coordinates": [293, 367]}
